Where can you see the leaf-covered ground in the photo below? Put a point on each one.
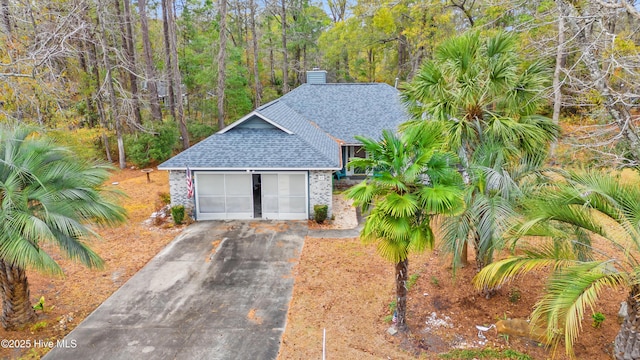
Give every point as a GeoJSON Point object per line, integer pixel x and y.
{"type": "Point", "coordinates": [341, 286]}
{"type": "Point", "coordinates": [345, 288]}
{"type": "Point", "coordinates": [125, 250]}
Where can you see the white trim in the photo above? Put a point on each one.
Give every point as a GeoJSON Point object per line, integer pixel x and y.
{"type": "Point", "coordinates": [249, 116]}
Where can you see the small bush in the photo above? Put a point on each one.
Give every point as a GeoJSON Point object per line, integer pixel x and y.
{"type": "Point", "coordinates": [514, 295]}
{"type": "Point", "coordinates": [177, 212]}
{"type": "Point", "coordinates": [145, 148]}
{"type": "Point", "coordinates": [320, 213]}
{"type": "Point", "coordinates": [598, 319]}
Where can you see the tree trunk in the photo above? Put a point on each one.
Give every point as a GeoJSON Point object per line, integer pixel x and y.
{"type": "Point", "coordinates": [93, 63]}
{"type": "Point", "coordinates": [627, 343]}
{"type": "Point", "coordinates": [285, 59]}
{"type": "Point", "coordinates": [126, 68]}
{"type": "Point", "coordinates": [402, 269]}
{"type": "Point", "coordinates": [557, 85]}
{"type": "Point", "coordinates": [176, 77]}
{"type": "Point", "coordinates": [131, 62]}
{"type": "Point", "coordinates": [222, 54]}
{"type": "Point", "coordinates": [169, 94]}
{"type": "Point", "coordinates": [6, 17]}
{"type": "Point", "coordinates": [256, 73]}
{"type": "Point", "coordinates": [272, 70]}
{"type": "Point", "coordinates": [150, 70]}
{"type": "Point", "coordinates": [115, 113]}
{"type": "Point", "coordinates": [464, 255]}
{"type": "Point", "coordinates": [16, 306]}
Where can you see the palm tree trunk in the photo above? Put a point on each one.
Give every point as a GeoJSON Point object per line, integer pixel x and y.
{"type": "Point", "coordinates": [627, 343]}
{"type": "Point", "coordinates": [16, 308]}
{"type": "Point", "coordinates": [402, 269]}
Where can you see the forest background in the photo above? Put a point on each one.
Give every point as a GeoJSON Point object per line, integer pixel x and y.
{"type": "Point", "coordinates": [136, 81]}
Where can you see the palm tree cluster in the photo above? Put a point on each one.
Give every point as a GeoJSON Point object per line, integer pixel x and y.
{"type": "Point", "coordinates": [47, 196]}
{"type": "Point", "coordinates": [475, 153]}
{"type": "Point", "coordinates": [489, 100]}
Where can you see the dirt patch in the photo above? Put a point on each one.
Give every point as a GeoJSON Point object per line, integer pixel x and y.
{"type": "Point", "coordinates": [345, 288]}
{"type": "Point", "coordinates": [253, 317]}
{"type": "Point", "coordinates": [262, 227]}
{"type": "Point", "coordinates": [125, 250]}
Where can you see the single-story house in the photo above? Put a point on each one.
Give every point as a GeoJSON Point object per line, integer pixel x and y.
{"type": "Point", "coordinates": [280, 160]}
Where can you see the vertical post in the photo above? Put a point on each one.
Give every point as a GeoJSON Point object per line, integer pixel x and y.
{"type": "Point", "coordinates": [324, 342]}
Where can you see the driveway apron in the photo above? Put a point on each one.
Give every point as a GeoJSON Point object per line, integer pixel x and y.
{"type": "Point", "coordinates": [220, 290]}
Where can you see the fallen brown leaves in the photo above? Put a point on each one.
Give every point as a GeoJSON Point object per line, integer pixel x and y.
{"type": "Point", "coordinates": [125, 250]}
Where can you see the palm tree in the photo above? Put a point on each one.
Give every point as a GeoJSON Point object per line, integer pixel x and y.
{"type": "Point", "coordinates": [487, 96]}
{"type": "Point", "coordinates": [413, 181]}
{"type": "Point", "coordinates": [564, 216]}
{"type": "Point", "coordinates": [491, 195]}
{"type": "Point", "coordinates": [47, 196]}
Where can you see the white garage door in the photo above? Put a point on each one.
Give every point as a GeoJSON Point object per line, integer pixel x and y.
{"type": "Point", "coordinates": [280, 196]}
{"type": "Point", "coordinates": [224, 196]}
{"type": "Point", "coordinates": [284, 196]}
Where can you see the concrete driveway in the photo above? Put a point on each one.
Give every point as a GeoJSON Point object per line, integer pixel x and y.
{"type": "Point", "coordinates": [193, 302]}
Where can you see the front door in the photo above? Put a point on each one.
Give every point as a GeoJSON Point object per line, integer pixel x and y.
{"type": "Point", "coordinates": [355, 152]}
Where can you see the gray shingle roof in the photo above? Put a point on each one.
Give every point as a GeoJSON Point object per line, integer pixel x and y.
{"type": "Point", "coordinates": [291, 120]}
{"type": "Point", "coordinates": [319, 116]}
{"type": "Point", "coordinates": [255, 149]}
{"type": "Point", "coordinates": [347, 110]}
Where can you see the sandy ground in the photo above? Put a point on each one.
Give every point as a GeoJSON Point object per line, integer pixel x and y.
{"type": "Point", "coordinates": [342, 287]}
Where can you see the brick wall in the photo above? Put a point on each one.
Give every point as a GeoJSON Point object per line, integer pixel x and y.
{"type": "Point", "coordinates": [320, 190]}
{"type": "Point", "coordinates": [178, 189]}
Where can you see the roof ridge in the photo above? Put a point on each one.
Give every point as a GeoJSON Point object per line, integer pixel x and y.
{"type": "Point", "coordinates": [312, 124]}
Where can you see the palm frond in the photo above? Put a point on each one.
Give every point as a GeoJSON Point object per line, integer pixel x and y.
{"type": "Point", "coordinates": [570, 292]}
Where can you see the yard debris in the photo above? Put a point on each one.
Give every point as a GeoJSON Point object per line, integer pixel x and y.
{"type": "Point", "coordinates": [434, 322]}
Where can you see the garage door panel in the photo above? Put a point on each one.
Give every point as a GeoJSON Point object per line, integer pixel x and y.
{"type": "Point", "coordinates": [270, 204]}
{"type": "Point", "coordinates": [238, 184]}
{"type": "Point", "coordinates": [212, 204]}
{"type": "Point", "coordinates": [211, 184]}
{"type": "Point", "coordinates": [269, 184]}
{"type": "Point", "coordinates": [291, 185]}
{"type": "Point", "coordinates": [292, 205]}
{"type": "Point", "coordinates": [239, 204]}
{"type": "Point", "coordinates": [224, 196]}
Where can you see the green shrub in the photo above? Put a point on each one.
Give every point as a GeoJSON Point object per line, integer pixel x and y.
{"type": "Point", "coordinates": [198, 132]}
{"type": "Point", "coordinates": [598, 319]}
{"type": "Point", "coordinates": [177, 212]}
{"type": "Point", "coordinates": [155, 146]}
{"type": "Point", "coordinates": [320, 213]}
